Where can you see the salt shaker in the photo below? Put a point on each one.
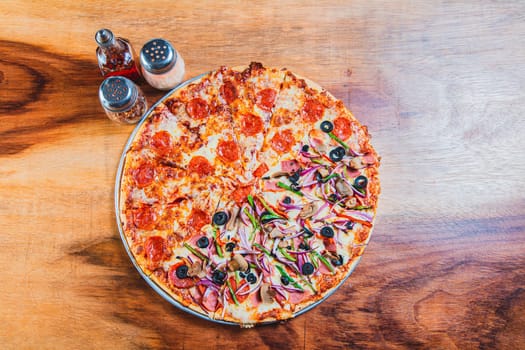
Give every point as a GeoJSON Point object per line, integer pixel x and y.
{"type": "Point", "coordinates": [162, 66]}
{"type": "Point", "coordinates": [123, 101]}
{"type": "Point", "coordinates": [115, 56]}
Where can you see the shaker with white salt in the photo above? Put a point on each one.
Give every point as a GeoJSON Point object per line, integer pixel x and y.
{"type": "Point", "coordinates": [162, 66]}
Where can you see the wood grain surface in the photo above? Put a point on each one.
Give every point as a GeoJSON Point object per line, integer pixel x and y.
{"type": "Point", "coordinates": [441, 85]}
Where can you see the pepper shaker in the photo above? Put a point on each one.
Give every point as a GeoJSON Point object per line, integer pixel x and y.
{"type": "Point", "coordinates": [162, 66]}
{"type": "Point", "coordinates": [115, 56]}
{"type": "Point", "coordinates": [122, 100]}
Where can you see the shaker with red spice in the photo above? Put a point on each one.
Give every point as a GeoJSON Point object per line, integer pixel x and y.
{"type": "Point", "coordinates": [122, 100]}
{"type": "Point", "coordinates": [116, 56]}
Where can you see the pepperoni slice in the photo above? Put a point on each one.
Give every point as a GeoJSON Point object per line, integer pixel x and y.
{"type": "Point", "coordinates": [251, 124]}
{"type": "Point", "coordinates": [265, 99]}
{"type": "Point", "coordinates": [200, 166]}
{"type": "Point", "coordinates": [228, 91]}
{"type": "Point", "coordinates": [283, 118]}
{"type": "Point", "coordinates": [261, 170]}
{"type": "Point", "coordinates": [144, 218]}
{"type": "Point", "coordinates": [240, 298]}
{"type": "Point", "coordinates": [228, 151]}
{"type": "Point", "coordinates": [198, 218]}
{"type": "Point", "coordinates": [312, 111]}
{"type": "Point", "coordinates": [154, 249]}
{"type": "Point", "coordinates": [240, 194]}
{"type": "Point", "coordinates": [342, 128]}
{"type": "Point", "coordinates": [144, 175]}
{"type": "Point", "coordinates": [161, 142]}
{"type": "Point", "coordinates": [186, 282]}
{"type": "Point", "coordinates": [282, 141]}
{"type": "Point", "coordinates": [197, 108]}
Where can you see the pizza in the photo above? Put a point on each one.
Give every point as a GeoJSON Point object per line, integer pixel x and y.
{"type": "Point", "coordinates": [248, 194]}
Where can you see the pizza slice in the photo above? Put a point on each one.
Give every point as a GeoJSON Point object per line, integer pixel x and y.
{"type": "Point", "coordinates": [250, 94]}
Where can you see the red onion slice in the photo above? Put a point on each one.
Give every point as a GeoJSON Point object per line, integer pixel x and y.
{"type": "Point", "coordinates": [359, 215]}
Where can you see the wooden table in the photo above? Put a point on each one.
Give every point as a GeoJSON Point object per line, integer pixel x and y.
{"type": "Point", "coordinates": [441, 86]}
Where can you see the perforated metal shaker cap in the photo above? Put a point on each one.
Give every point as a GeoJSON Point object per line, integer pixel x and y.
{"type": "Point", "coordinates": [158, 56]}
{"type": "Point", "coordinates": [117, 94]}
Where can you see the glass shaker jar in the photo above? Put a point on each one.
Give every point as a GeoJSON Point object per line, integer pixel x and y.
{"type": "Point", "coordinates": [123, 101]}
{"type": "Point", "coordinates": [115, 56]}
{"type": "Point", "coordinates": [162, 66]}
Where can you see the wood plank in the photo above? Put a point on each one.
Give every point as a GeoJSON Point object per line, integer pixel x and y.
{"type": "Point", "coordinates": [440, 85]}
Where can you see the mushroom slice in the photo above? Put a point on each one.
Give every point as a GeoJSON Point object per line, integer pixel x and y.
{"type": "Point", "coordinates": [267, 293]}
{"type": "Point", "coordinates": [279, 174]}
{"type": "Point", "coordinates": [343, 188]}
{"type": "Point", "coordinates": [283, 244]}
{"type": "Point", "coordinates": [238, 263]}
{"type": "Point", "coordinates": [308, 210]}
{"type": "Point", "coordinates": [195, 269]}
{"type": "Point", "coordinates": [351, 202]}
{"type": "Point", "coordinates": [275, 233]}
{"type": "Point", "coordinates": [323, 172]}
{"type": "Point", "coordinates": [361, 162]}
{"type": "Point", "coordinates": [232, 223]}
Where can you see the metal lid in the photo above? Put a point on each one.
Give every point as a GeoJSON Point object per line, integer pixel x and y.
{"type": "Point", "coordinates": [158, 56]}
{"type": "Point", "coordinates": [104, 37]}
{"type": "Point", "coordinates": [117, 94]}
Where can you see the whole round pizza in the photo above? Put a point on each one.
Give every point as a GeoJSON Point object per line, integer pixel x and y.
{"type": "Point", "coordinates": [248, 195]}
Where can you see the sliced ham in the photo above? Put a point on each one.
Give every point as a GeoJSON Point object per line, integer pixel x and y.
{"type": "Point", "coordinates": [210, 299]}
{"type": "Point", "coordinates": [290, 166]}
{"type": "Point", "coordinates": [272, 186]}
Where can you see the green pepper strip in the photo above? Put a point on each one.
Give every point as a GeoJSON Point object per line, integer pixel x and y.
{"type": "Point", "coordinates": [283, 273]}
{"type": "Point", "coordinates": [217, 246]}
{"type": "Point", "coordinates": [286, 254]}
{"type": "Point", "coordinates": [314, 261]}
{"type": "Point", "coordinates": [308, 284]}
{"type": "Point", "coordinates": [260, 247]}
{"type": "Point", "coordinates": [286, 187]}
{"type": "Point", "coordinates": [317, 161]}
{"type": "Point", "coordinates": [338, 140]}
{"type": "Point", "coordinates": [250, 201]}
{"type": "Point", "coordinates": [254, 223]}
{"type": "Point", "coordinates": [266, 206]}
{"type": "Point", "coordinates": [252, 218]}
{"type": "Point", "coordinates": [237, 277]}
{"type": "Point", "coordinates": [329, 177]}
{"type": "Point", "coordinates": [232, 293]}
{"type": "Point", "coordinates": [324, 261]}
{"type": "Point", "coordinates": [196, 252]}
{"type": "Point", "coordinates": [361, 207]}
{"type": "Point", "coordinates": [270, 217]}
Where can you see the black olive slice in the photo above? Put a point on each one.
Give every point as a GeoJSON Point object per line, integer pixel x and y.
{"type": "Point", "coordinates": [360, 182]}
{"type": "Point", "coordinates": [203, 242]}
{"type": "Point", "coordinates": [220, 218]}
{"type": "Point", "coordinates": [338, 261]}
{"type": "Point", "coordinates": [285, 281]}
{"type": "Point", "coordinates": [327, 126]}
{"type": "Point", "coordinates": [218, 276]}
{"type": "Point", "coordinates": [294, 177]}
{"type": "Point", "coordinates": [251, 278]}
{"type": "Point", "coordinates": [182, 271]}
{"type": "Point", "coordinates": [337, 154]}
{"type": "Point", "coordinates": [307, 268]}
{"type": "Point", "coordinates": [230, 246]}
{"type": "Point", "coordinates": [327, 232]}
